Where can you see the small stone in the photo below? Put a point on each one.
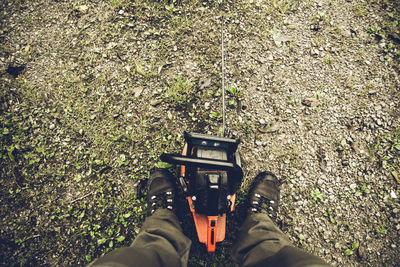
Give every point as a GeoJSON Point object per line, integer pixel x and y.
{"type": "Point", "coordinates": [204, 83]}
{"type": "Point", "coordinates": [81, 131]}
{"type": "Point", "coordinates": [395, 37]}
{"type": "Point", "coordinates": [262, 121]}
{"type": "Point", "coordinates": [52, 126]}
{"type": "Point", "coordinates": [361, 252]}
{"type": "Point", "coordinates": [353, 186]}
{"type": "Point", "coordinates": [269, 129]}
{"type": "Point", "coordinates": [314, 52]}
{"type": "Point", "coordinates": [345, 162]}
{"type": "Point", "coordinates": [82, 8]}
{"type": "Point", "coordinates": [207, 105]}
{"type": "Point", "coordinates": [121, 12]}
{"type": "Point", "coordinates": [393, 195]}
{"type": "Point", "coordinates": [155, 102]}
{"type": "Point", "coordinates": [310, 102]}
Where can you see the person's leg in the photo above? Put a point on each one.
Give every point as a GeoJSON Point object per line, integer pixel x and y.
{"type": "Point", "coordinates": [162, 235]}
{"type": "Point", "coordinates": [161, 241]}
{"type": "Point", "coordinates": [260, 242]}
{"type": "Point", "coordinates": [258, 238]}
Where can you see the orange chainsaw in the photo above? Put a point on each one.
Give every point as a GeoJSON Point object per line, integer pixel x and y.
{"type": "Point", "coordinates": [210, 175]}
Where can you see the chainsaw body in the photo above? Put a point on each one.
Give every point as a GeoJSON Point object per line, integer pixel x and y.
{"type": "Point", "coordinates": [210, 175]}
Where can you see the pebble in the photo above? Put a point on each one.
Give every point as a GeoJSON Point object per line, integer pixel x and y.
{"type": "Point", "coordinates": [361, 252]}
{"type": "Point", "coordinates": [310, 102]}
{"type": "Point", "coordinates": [155, 102]}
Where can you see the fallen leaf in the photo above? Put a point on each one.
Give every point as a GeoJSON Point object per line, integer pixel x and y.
{"type": "Point", "coordinates": [137, 91]}
{"type": "Point", "coordinates": [354, 146]}
{"type": "Point", "coordinates": [160, 69]}
{"type": "Point", "coordinates": [139, 68]}
{"type": "Point", "coordinates": [394, 173]}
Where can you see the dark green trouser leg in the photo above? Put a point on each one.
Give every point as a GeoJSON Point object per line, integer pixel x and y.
{"type": "Point", "coordinates": [261, 243]}
{"type": "Point", "coordinates": [160, 242]}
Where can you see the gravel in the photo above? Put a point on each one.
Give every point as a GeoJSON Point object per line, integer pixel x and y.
{"type": "Point", "coordinates": [319, 107]}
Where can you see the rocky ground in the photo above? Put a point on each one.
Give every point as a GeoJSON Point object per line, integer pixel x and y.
{"type": "Point", "coordinates": [94, 91]}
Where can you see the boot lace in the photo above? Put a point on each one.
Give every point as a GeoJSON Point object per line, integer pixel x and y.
{"type": "Point", "coordinates": [162, 200]}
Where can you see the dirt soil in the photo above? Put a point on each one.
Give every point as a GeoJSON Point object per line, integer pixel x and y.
{"type": "Point", "coordinates": [92, 92]}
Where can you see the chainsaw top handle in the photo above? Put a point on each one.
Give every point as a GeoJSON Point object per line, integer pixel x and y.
{"type": "Point", "coordinates": [177, 159]}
